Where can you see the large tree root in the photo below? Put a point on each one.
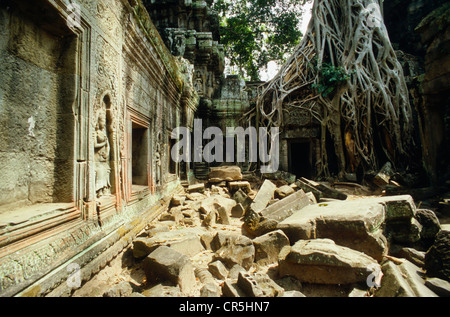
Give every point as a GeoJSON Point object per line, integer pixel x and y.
{"type": "Point", "coordinates": [369, 113]}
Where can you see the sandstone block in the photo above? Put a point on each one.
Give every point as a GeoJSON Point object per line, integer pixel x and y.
{"type": "Point", "coordinates": [225, 173]}
{"type": "Point", "coordinates": [166, 264]}
{"type": "Point", "coordinates": [354, 224]}
{"type": "Point", "coordinates": [268, 246]}
{"type": "Point", "coordinates": [263, 197]}
{"type": "Point", "coordinates": [321, 261]}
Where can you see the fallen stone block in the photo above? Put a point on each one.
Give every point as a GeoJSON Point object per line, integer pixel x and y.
{"type": "Point", "coordinates": [265, 194]}
{"type": "Point", "coordinates": [402, 280]}
{"type": "Point", "coordinates": [437, 258]}
{"type": "Point", "coordinates": [438, 286]}
{"type": "Point", "coordinates": [355, 224]}
{"type": "Point", "coordinates": [210, 290]}
{"type": "Point", "coordinates": [414, 256]}
{"type": "Point", "coordinates": [284, 208]}
{"type": "Point", "coordinates": [215, 202]}
{"type": "Point", "coordinates": [325, 191]}
{"type": "Point", "coordinates": [225, 173]}
{"type": "Point", "coordinates": [242, 185]}
{"type": "Point", "coordinates": [230, 289]}
{"type": "Point", "coordinates": [165, 264]}
{"type": "Point", "coordinates": [238, 250]}
{"type": "Point", "coordinates": [256, 224]}
{"type": "Point", "coordinates": [178, 200]}
{"type": "Point", "coordinates": [281, 176]}
{"type": "Point", "coordinates": [196, 188]}
{"type": "Point", "coordinates": [242, 198]}
{"type": "Point", "coordinates": [430, 225]}
{"type": "Point", "coordinates": [258, 285]}
{"type": "Point", "coordinates": [398, 207]}
{"type": "Point", "coordinates": [268, 246]}
{"type": "Point", "coordinates": [184, 241]}
{"type": "Point", "coordinates": [383, 177]}
{"type": "Point", "coordinates": [293, 294]}
{"type": "Point", "coordinates": [237, 211]}
{"type": "Point", "coordinates": [321, 261]}
{"type": "Point", "coordinates": [163, 291]}
{"type": "Point", "coordinates": [223, 216]}
{"type": "Point", "coordinates": [123, 289]}
{"type": "Point", "coordinates": [404, 232]}
{"type": "Point", "coordinates": [218, 270]}
{"type": "Point", "coordinates": [196, 196]}
{"type": "Point", "coordinates": [307, 188]}
{"type": "Point", "coordinates": [284, 191]}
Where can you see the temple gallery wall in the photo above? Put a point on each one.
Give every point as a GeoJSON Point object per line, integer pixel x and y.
{"type": "Point", "coordinates": [86, 112]}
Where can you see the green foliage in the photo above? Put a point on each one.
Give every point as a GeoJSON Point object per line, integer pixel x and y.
{"type": "Point", "coordinates": [330, 78]}
{"type": "Point", "coordinates": [256, 32]}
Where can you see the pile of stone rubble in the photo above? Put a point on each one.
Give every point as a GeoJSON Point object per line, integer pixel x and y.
{"type": "Point", "coordinates": [234, 238]}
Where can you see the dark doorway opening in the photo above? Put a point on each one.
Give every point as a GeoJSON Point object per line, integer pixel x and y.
{"type": "Point", "coordinates": [140, 159]}
{"type": "Point", "coordinates": [300, 159]}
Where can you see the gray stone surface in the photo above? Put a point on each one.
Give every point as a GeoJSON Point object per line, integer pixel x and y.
{"type": "Point", "coordinates": [186, 241]}
{"type": "Point", "coordinates": [225, 173]}
{"type": "Point", "coordinates": [265, 194]}
{"type": "Point", "coordinates": [167, 265]}
{"type": "Point", "coordinates": [402, 280]}
{"type": "Point", "coordinates": [355, 224]}
{"type": "Point", "coordinates": [239, 250]}
{"type": "Point", "coordinates": [268, 246]}
{"type": "Point", "coordinates": [321, 261]}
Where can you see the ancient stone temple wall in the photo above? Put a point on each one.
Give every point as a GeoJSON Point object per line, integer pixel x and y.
{"type": "Point", "coordinates": [89, 95]}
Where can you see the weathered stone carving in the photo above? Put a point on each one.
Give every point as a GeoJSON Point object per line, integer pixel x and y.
{"type": "Point", "coordinates": [102, 157]}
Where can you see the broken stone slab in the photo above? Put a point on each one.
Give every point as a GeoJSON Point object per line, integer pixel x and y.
{"type": "Point", "coordinates": [218, 269]}
{"type": "Point", "coordinates": [430, 225]}
{"type": "Point", "coordinates": [230, 289]}
{"type": "Point", "coordinates": [256, 224]}
{"type": "Point", "coordinates": [185, 241]}
{"type": "Point", "coordinates": [399, 207]}
{"type": "Point", "coordinates": [268, 246]}
{"type": "Point", "coordinates": [178, 200]}
{"type": "Point", "coordinates": [196, 196]}
{"type": "Point", "coordinates": [437, 258]}
{"type": "Point", "coordinates": [438, 286]}
{"type": "Point", "coordinates": [383, 177]}
{"type": "Point", "coordinates": [284, 208]}
{"type": "Point", "coordinates": [225, 173]}
{"type": "Point", "coordinates": [293, 294]}
{"type": "Point", "coordinates": [404, 232]}
{"type": "Point", "coordinates": [307, 188]}
{"type": "Point", "coordinates": [215, 202]}
{"type": "Point", "coordinates": [281, 175]}
{"type": "Point", "coordinates": [163, 291]}
{"type": "Point", "coordinates": [284, 191]}
{"type": "Point", "coordinates": [402, 280]}
{"type": "Point", "coordinates": [258, 285]}
{"type": "Point", "coordinates": [414, 256]}
{"type": "Point", "coordinates": [237, 211]}
{"type": "Point", "coordinates": [196, 188]}
{"type": "Point", "coordinates": [263, 197]}
{"type": "Point", "coordinates": [237, 250]}
{"type": "Point", "coordinates": [123, 289]}
{"type": "Point", "coordinates": [166, 264]}
{"type": "Point", "coordinates": [355, 224]}
{"type": "Point", "coordinates": [210, 290]}
{"type": "Point", "coordinates": [242, 185]}
{"type": "Point", "coordinates": [223, 216]}
{"type": "Point", "coordinates": [321, 261]}
{"type": "Point", "coordinates": [240, 197]}
{"type": "Point", "coordinates": [324, 191]}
